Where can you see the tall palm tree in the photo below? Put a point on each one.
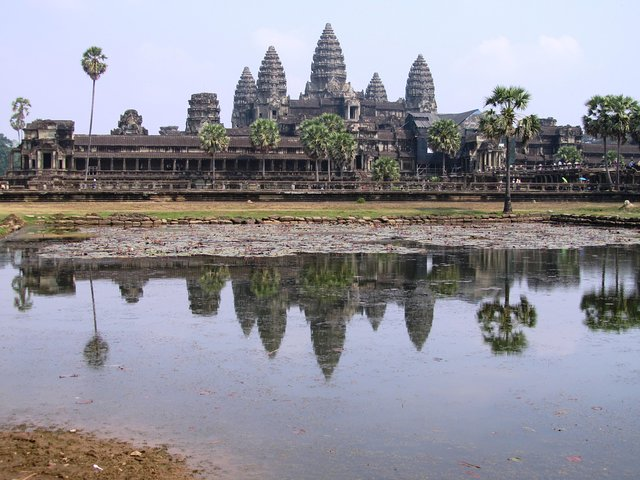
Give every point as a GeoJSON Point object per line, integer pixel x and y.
{"type": "Point", "coordinates": [342, 149]}
{"type": "Point", "coordinates": [20, 108]}
{"type": "Point", "coordinates": [597, 122]}
{"type": "Point", "coordinates": [93, 64]}
{"type": "Point", "coordinates": [623, 110]}
{"type": "Point", "coordinates": [444, 137]}
{"type": "Point", "coordinates": [213, 139]}
{"type": "Point", "coordinates": [503, 120]}
{"type": "Point", "coordinates": [315, 140]}
{"type": "Point", "coordinates": [335, 124]}
{"type": "Point", "coordinates": [264, 136]}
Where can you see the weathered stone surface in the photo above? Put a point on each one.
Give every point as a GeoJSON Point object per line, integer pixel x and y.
{"type": "Point", "coordinates": [243, 100]}
{"type": "Point", "coordinates": [328, 64]}
{"type": "Point", "coordinates": [420, 90]}
{"type": "Point", "coordinates": [203, 107]}
{"type": "Point", "coordinates": [130, 124]}
{"type": "Point", "coordinates": [375, 89]}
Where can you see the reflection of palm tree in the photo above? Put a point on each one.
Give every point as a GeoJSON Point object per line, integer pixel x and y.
{"type": "Point", "coordinates": [96, 351]}
{"type": "Point", "coordinates": [612, 309]}
{"type": "Point", "coordinates": [204, 293]}
{"type": "Point", "coordinates": [501, 323]}
{"type": "Point", "coordinates": [22, 301]}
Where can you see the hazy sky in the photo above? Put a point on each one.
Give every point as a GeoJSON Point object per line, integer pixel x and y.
{"type": "Point", "coordinates": [160, 52]}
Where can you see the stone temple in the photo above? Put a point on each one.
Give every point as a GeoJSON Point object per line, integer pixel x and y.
{"type": "Point", "coordinates": [396, 129]}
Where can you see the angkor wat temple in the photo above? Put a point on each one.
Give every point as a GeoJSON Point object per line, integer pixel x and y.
{"type": "Point", "coordinates": [382, 127]}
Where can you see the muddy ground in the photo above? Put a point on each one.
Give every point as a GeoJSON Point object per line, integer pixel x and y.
{"type": "Point", "coordinates": [53, 454]}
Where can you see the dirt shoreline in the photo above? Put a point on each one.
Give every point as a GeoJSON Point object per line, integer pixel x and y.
{"type": "Point", "coordinates": [48, 454]}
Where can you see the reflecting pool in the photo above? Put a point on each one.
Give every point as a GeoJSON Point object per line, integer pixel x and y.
{"type": "Point", "coordinates": [453, 363]}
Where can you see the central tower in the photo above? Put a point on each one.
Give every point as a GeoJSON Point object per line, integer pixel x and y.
{"type": "Point", "coordinates": [328, 70]}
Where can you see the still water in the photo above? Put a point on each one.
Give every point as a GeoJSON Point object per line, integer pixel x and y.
{"type": "Point", "coordinates": [454, 363]}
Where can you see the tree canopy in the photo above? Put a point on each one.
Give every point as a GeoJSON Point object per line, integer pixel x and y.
{"type": "Point", "coordinates": [265, 136]}
{"type": "Point", "coordinates": [5, 150]}
{"type": "Point", "coordinates": [504, 120]}
{"type": "Point", "coordinates": [444, 137]}
{"type": "Point", "coordinates": [385, 169]}
{"type": "Point", "coordinates": [326, 137]}
{"type": "Point", "coordinates": [20, 108]}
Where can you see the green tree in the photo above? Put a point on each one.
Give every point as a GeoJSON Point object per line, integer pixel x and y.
{"type": "Point", "coordinates": [502, 120]}
{"type": "Point", "coordinates": [315, 140]}
{"type": "Point", "coordinates": [20, 108]}
{"type": "Point", "coordinates": [598, 122]}
{"type": "Point", "coordinates": [316, 135]}
{"type": "Point", "coordinates": [569, 154]}
{"type": "Point", "coordinates": [444, 137]}
{"type": "Point", "coordinates": [623, 111]}
{"type": "Point", "coordinates": [93, 64]}
{"type": "Point", "coordinates": [5, 152]}
{"type": "Point", "coordinates": [385, 169]}
{"type": "Point", "coordinates": [342, 149]}
{"type": "Point", "coordinates": [213, 139]}
{"type": "Point", "coordinates": [265, 137]}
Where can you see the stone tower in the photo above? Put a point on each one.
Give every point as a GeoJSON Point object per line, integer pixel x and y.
{"type": "Point", "coordinates": [271, 87]}
{"type": "Point", "coordinates": [375, 89]}
{"type": "Point", "coordinates": [328, 70]}
{"type": "Point", "coordinates": [243, 100]}
{"type": "Point", "coordinates": [203, 107]}
{"type": "Point", "coordinates": [130, 124]}
{"type": "Point", "coordinates": [420, 91]}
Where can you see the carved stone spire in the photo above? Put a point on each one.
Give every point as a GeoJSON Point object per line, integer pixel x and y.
{"type": "Point", "coordinates": [375, 89]}
{"type": "Point", "coordinates": [203, 107]}
{"type": "Point", "coordinates": [243, 99]}
{"type": "Point", "coordinates": [420, 91]}
{"type": "Point", "coordinates": [328, 63]}
{"type": "Point", "coordinates": [272, 83]}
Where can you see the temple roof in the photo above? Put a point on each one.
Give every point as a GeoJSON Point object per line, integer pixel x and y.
{"type": "Point", "coordinates": [420, 90]}
{"type": "Point", "coordinates": [272, 82]}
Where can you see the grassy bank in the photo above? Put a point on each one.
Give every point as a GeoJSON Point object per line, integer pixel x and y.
{"type": "Point", "coordinates": [33, 212]}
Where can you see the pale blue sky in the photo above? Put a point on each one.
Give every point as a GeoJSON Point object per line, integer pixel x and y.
{"type": "Point", "coordinates": [160, 52]}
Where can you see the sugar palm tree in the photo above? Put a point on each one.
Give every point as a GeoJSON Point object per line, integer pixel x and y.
{"type": "Point", "coordinates": [503, 120]}
{"type": "Point", "coordinates": [623, 110]}
{"type": "Point", "coordinates": [444, 137]}
{"type": "Point", "coordinates": [20, 108]}
{"type": "Point", "coordinates": [93, 64]}
{"type": "Point", "coordinates": [597, 122]}
{"type": "Point", "coordinates": [264, 136]}
{"type": "Point", "coordinates": [213, 139]}
{"type": "Point", "coordinates": [315, 140]}
{"type": "Point", "coordinates": [342, 149]}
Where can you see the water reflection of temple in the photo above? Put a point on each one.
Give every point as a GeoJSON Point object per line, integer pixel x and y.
{"type": "Point", "coordinates": [331, 290]}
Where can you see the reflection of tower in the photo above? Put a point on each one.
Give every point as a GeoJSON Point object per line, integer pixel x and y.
{"type": "Point", "coordinates": [328, 339]}
{"type": "Point", "coordinates": [418, 314]}
{"type": "Point", "coordinates": [375, 313]}
{"type": "Point", "coordinates": [131, 288]}
{"type": "Point", "coordinates": [243, 305]}
{"type": "Point", "coordinates": [272, 322]}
